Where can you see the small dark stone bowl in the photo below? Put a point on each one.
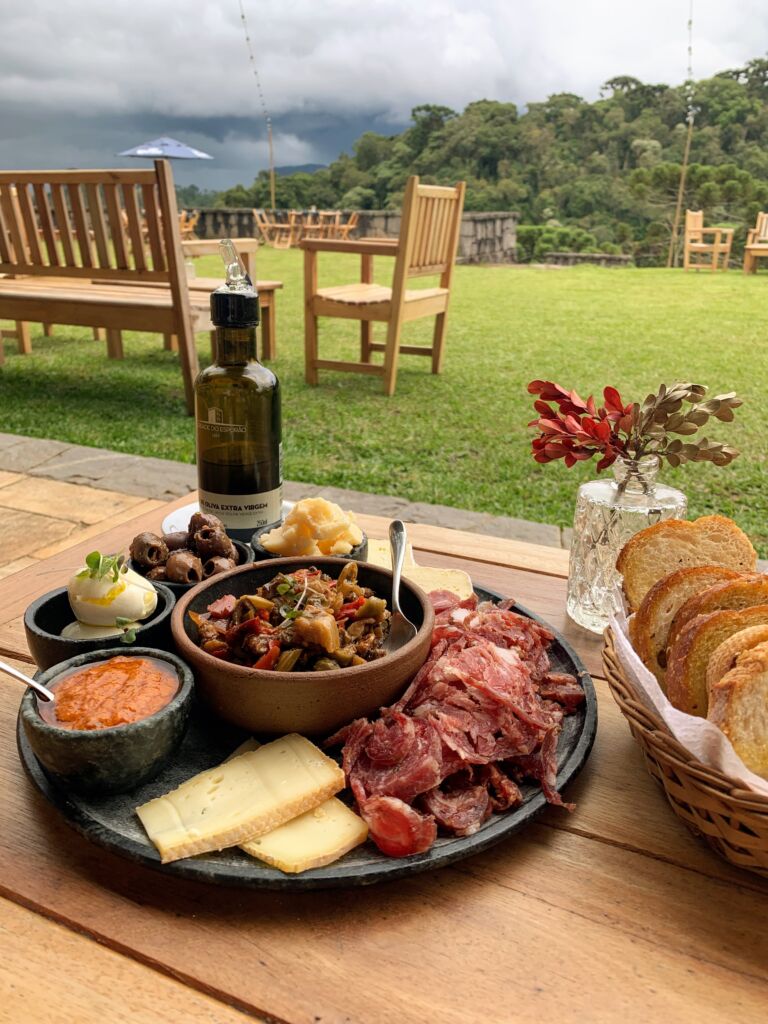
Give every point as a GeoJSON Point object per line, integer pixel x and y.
{"type": "Point", "coordinates": [45, 618]}
{"type": "Point", "coordinates": [114, 760]}
{"type": "Point", "coordinates": [357, 554]}
{"type": "Point", "coordinates": [245, 552]}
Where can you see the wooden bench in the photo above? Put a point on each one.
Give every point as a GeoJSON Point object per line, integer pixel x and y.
{"type": "Point", "coordinates": [62, 231]}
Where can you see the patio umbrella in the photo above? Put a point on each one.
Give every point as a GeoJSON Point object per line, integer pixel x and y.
{"type": "Point", "coordinates": [168, 148]}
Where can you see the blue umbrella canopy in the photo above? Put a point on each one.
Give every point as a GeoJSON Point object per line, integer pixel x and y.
{"type": "Point", "coordinates": [168, 148]}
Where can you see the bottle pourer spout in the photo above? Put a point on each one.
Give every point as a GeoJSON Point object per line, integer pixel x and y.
{"type": "Point", "coordinates": [237, 278]}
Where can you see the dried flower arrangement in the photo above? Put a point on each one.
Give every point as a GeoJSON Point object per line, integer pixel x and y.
{"type": "Point", "coordinates": [575, 430]}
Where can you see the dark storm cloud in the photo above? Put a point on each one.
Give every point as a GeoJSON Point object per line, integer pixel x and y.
{"type": "Point", "coordinates": [81, 80]}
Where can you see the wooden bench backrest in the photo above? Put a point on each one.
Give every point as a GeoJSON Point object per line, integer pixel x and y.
{"type": "Point", "coordinates": [429, 231]}
{"type": "Point", "coordinates": [694, 224]}
{"type": "Point", "coordinates": [761, 228]}
{"type": "Point", "coordinates": [115, 225]}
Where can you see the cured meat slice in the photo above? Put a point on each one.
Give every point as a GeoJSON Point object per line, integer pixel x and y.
{"type": "Point", "coordinates": [562, 688]}
{"type": "Point", "coordinates": [462, 808]}
{"type": "Point", "coordinates": [397, 829]}
{"type": "Point", "coordinates": [485, 704]}
{"type": "Point", "coordinates": [542, 765]}
{"type": "Point", "coordinates": [391, 739]}
{"type": "Point", "coordinates": [419, 769]}
{"type": "Point", "coordinates": [503, 792]}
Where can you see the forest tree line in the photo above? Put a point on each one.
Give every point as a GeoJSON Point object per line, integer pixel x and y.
{"type": "Point", "coordinates": [602, 175]}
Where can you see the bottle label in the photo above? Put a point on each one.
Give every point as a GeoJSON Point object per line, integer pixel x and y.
{"type": "Point", "coordinates": [215, 424]}
{"type": "Point", "coordinates": [244, 511]}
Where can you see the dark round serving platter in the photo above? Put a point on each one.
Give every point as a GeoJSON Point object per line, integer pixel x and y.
{"type": "Point", "coordinates": [112, 823]}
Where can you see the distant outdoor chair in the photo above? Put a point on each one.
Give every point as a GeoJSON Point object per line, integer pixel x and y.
{"type": "Point", "coordinates": [757, 243]}
{"type": "Point", "coordinates": [429, 237]}
{"type": "Point", "coordinates": [695, 244]}
{"type": "Point", "coordinates": [187, 224]}
{"type": "Point", "coordinates": [287, 233]}
{"type": "Point", "coordinates": [265, 225]}
{"type": "Point", "coordinates": [349, 225]}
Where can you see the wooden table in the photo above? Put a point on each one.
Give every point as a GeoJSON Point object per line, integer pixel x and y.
{"type": "Point", "coordinates": [612, 913]}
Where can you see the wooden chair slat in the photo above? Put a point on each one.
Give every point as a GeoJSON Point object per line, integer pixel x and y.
{"type": "Point", "coordinates": [11, 226]}
{"type": "Point", "coordinates": [96, 214]}
{"type": "Point", "coordinates": [82, 231]}
{"type": "Point", "coordinates": [115, 225]}
{"type": "Point", "coordinates": [62, 224]}
{"type": "Point", "coordinates": [135, 232]}
{"type": "Point", "coordinates": [156, 248]}
{"type": "Point", "coordinates": [30, 224]}
{"type": "Point", "coordinates": [46, 224]}
{"type": "Point", "coordinates": [6, 253]}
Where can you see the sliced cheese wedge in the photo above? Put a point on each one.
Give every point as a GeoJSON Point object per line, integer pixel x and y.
{"type": "Point", "coordinates": [379, 554]}
{"type": "Point", "coordinates": [241, 799]}
{"type": "Point", "coordinates": [455, 580]}
{"type": "Point", "coordinates": [312, 840]}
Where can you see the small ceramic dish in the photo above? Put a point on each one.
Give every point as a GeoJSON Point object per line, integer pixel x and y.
{"type": "Point", "coordinates": [244, 551]}
{"type": "Point", "coordinates": [315, 703]}
{"type": "Point", "coordinates": [45, 618]}
{"type": "Point", "coordinates": [117, 759]}
{"type": "Point", "coordinates": [359, 553]}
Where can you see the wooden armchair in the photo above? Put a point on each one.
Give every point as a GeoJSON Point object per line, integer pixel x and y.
{"type": "Point", "coordinates": [265, 225]}
{"type": "Point", "coordinates": [429, 236]}
{"type": "Point", "coordinates": [188, 224]}
{"type": "Point", "coordinates": [349, 225]}
{"type": "Point", "coordinates": [757, 243]}
{"type": "Point", "coordinates": [696, 244]}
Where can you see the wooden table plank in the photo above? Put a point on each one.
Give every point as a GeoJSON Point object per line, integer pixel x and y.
{"type": "Point", "coordinates": [49, 973]}
{"type": "Point", "coordinates": [584, 917]}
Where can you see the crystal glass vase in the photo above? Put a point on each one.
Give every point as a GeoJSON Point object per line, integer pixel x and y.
{"type": "Point", "coordinates": [608, 513]}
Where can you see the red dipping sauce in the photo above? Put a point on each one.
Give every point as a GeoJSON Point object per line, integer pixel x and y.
{"type": "Point", "coordinates": [108, 693]}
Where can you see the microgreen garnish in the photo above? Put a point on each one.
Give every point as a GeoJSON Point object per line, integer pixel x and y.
{"type": "Point", "coordinates": [99, 567]}
{"type": "Point", "coordinates": [129, 629]}
{"type": "Point", "coordinates": [283, 588]}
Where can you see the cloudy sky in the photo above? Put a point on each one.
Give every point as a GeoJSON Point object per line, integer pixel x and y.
{"type": "Point", "coordinates": [82, 79]}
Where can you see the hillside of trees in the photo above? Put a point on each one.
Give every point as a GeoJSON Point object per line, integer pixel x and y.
{"type": "Point", "coordinates": [601, 175]}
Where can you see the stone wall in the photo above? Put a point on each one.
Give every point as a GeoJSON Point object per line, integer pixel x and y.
{"type": "Point", "coordinates": [485, 237]}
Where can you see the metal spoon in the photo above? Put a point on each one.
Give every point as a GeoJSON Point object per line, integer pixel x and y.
{"type": "Point", "coordinates": [401, 629]}
{"type": "Point", "coordinates": [39, 689]}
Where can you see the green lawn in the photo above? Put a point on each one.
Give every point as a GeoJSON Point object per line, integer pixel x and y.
{"type": "Point", "coordinates": [458, 439]}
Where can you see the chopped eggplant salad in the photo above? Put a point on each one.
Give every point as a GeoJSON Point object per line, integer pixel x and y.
{"type": "Point", "coordinates": [304, 621]}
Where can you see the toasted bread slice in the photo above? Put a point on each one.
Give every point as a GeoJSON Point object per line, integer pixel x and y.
{"type": "Point", "coordinates": [724, 657]}
{"type": "Point", "coordinates": [688, 658]}
{"type": "Point", "coordinates": [739, 706]}
{"type": "Point", "coordinates": [649, 627]}
{"type": "Point", "coordinates": [749, 590]}
{"type": "Point", "coordinates": [675, 544]}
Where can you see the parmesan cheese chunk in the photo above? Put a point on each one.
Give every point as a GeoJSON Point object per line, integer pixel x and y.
{"type": "Point", "coordinates": [241, 799]}
{"type": "Point", "coordinates": [455, 580]}
{"type": "Point", "coordinates": [312, 840]}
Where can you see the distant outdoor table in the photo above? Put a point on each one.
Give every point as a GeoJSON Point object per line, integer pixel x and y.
{"type": "Point", "coordinates": [612, 913]}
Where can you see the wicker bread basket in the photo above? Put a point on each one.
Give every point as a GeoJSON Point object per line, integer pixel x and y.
{"type": "Point", "coordinates": [733, 820]}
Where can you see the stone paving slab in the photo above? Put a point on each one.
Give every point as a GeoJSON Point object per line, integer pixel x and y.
{"type": "Point", "coordinates": [163, 479]}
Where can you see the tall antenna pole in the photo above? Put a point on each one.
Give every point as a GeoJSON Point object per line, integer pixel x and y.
{"type": "Point", "coordinates": [271, 163]}
{"type": "Point", "coordinates": [673, 254]}
{"type": "Point", "coordinates": [263, 102]}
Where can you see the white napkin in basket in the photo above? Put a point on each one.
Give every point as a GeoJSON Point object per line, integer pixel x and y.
{"type": "Point", "coordinates": [703, 739]}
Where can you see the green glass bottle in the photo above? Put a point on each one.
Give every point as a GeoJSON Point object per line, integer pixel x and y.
{"type": "Point", "coordinates": [237, 412]}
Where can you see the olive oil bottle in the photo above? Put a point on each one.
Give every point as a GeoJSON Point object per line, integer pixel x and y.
{"type": "Point", "coordinates": [237, 413]}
